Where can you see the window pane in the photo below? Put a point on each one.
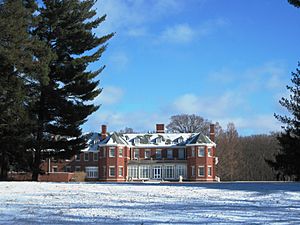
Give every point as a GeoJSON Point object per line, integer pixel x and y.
{"type": "Point", "coordinates": [181, 153]}
{"type": "Point", "coordinates": [120, 152]}
{"type": "Point", "coordinates": [170, 154]}
{"type": "Point", "coordinates": [112, 171]}
{"type": "Point", "coordinates": [158, 154]}
{"type": "Point", "coordinates": [201, 152]}
{"type": "Point", "coordinates": [111, 152]}
{"type": "Point", "coordinates": [120, 171]}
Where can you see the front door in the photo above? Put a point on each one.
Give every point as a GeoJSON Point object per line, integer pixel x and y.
{"type": "Point", "coordinates": [157, 172]}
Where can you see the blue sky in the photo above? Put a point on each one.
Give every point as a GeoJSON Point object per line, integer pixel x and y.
{"type": "Point", "coordinates": [225, 60]}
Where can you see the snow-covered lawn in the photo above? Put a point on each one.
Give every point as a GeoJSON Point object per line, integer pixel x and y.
{"type": "Point", "coordinates": [106, 203]}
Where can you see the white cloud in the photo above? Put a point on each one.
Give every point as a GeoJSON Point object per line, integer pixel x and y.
{"type": "Point", "coordinates": [208, 106]}
{"type": "Point", "coordinates": [109, 95]}
{"type": "Point", "coordinates": [127, 15]}
{"type": "Point", "coordinates": [181, 33]}
{"type": "Point", "coordinates": [185, 33]}
{"type": "Point", "coordinates": [120, 60]}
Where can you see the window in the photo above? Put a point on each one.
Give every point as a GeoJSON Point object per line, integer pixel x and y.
{"type": "Point", "coordinates": [201, 152]}
{"type": "Point", "coordinates": [158, 140]}
{"type": "Point", "coordinates": [144, 172]}
{"type": "Point", "coordinates": [104, 171]}
{"type": "Point", "coordinates": [112, 152]}
{"type": "Point", "coordinates": [77, 168]}
{"type": "Point", "coordinates": [132, 171]}
{"type": "Point", "coordinates": [169, 154]}
{"type": "Point", "coordinates": [136, 154]}
{"type": "Point", "coordinates": [193, 171]}
{"type": "Point", "coordinates": [181, 153]}
{"type": "Point", "coordinates": [209, 170]}
{"type": "Point", "coordinates": [95, 156]}
{"type": "Point", "coordinates": [193, 152]}
{"type": "Point", "coordinates": [68, 169]}
{"type": "Point", "coordinates": [103, 150]}
{"type": "Point", "coordinates": [112, 171]}
{"type": "Point", "coordinates": [54, 169]}
{"type": "Point", "coordinates": [147, 154]}
{"type": "Point", "coordinates": [158, 154]}
{"type": "Point", "coordinates": [209, 152]}
{"type": "Point", "coordinates": [120, 171]}
{"type": "Point", "coordinates": [201, 171]}
{"type": "Point", "coordinates": [86, 156]}
{"type": "Point", "coordinates": [136, 141]}
{"type": "Point", "coordinates": [120, 152]}
{"type": "Point", "coordinates": [180, 140]}
{"type": "Point", "coordinates": [169, 172]}
{"type": "Point", "coordinates": [181, 170]}
{"type": "Point", "coordinates": [77, 157]}
{"type": "Point", "coordinates": [91, 172]}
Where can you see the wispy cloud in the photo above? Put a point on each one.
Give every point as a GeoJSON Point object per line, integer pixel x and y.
{"type": "Point", "coordinates": [185, 33]}
{"type": "Point", "coordinates": [126, 16]}
{"type": "Point", "coordinates": [109, 95]}
{"type": "Point", "coordinates": [181, 33]}
{"type": "Point", "coordinates": [119, 59]}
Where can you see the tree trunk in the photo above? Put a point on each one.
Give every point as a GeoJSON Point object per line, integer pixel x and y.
{"type": "Point", "coordinates": [4, 166]}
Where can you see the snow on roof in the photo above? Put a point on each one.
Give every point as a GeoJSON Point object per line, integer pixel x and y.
{"type": "Point", "coordinates": [157, 139]}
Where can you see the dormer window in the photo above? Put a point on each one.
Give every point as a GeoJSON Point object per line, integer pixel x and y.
{"type": "Point", "coordinates": [179, 140]}
{"type": "Point", "coordinates": [136, 141]}
{"type": "Point", "coordinates": [158, 140]}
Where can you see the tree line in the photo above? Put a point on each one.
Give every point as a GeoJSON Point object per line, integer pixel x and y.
{"type": "Point", "coordinates": [45, 84]}
{"type": "Point", "coordinates": [241, 158]}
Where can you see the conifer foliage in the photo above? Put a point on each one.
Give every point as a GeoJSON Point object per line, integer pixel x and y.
{"type": "Point", "coordinates": [62, 107]}
{"type": "Point", "coordinates": [287, 160]}
{"type": "Point", "coordinates": [46, 87]}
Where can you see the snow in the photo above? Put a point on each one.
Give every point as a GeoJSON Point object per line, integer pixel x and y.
{"type": "Point", "coordinates": [138, 203]}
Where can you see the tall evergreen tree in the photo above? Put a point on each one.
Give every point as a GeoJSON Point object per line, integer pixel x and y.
{"type": "Point", "coordinates": [63, 103]}
{"type": "Point", "coordinates": [19, 65]}
{"type": "Point", "coordinates": [287, 160]}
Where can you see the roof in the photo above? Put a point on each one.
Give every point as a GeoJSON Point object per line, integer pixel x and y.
{"type": "Point", "coordinates": [156, 139]}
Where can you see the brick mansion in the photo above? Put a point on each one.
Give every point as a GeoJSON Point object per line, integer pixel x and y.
{"type": "Point", "coordinates": [144, 156]}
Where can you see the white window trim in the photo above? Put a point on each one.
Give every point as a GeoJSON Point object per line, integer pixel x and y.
{"type": "Point", "coordinates": [138, 151]}
{"type": "Point", "coordinates": [110, 155]}
{"type": "Point", "coordinates": [147, 150]}
{"type": "Point", "coordinates": [209, 151]}
{"type": "Point", "coordinates": [209, 167]}
{"type": "Point", "coordinates": [120, 156]}
{"type": "Point", "coordinates": [109, 171]}
{"type": "Point", "coordinates": [121, 167]}
{"type": "Point", "coordinates": [173, 171]}
{"type": "Point", "coordinates": [199, 171]}
{"type": "Point", "coordinates": [54, 167]}
{"type": "Point", "coordinates": [193, 152]}
{"type": "Point", "coordinates": [92, 170]}
{"type": "Point", "coordinates": [199, 150]}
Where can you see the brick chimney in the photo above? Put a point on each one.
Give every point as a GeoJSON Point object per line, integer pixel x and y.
{"type": "Point", "coordinates": [212, 132]}
{"type": "Point", "coordinates": [160, 128]}
{"type": "Point", "coordinates": [103, 132]}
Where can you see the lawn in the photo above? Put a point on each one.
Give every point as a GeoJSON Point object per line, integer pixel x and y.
{"type": "Point", "coordinates": [111, 203]}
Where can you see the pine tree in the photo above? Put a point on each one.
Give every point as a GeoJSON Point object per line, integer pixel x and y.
{"type": "Point", "coordinates": [19, 65]}
{"type": "Point", "coordinates": [287, 160]}
{"type": "Point", "coordinates": [63, 103]}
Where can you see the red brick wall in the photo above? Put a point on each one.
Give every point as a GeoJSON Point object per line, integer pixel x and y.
{"type": "Point", "coordinates": [56, 177]}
